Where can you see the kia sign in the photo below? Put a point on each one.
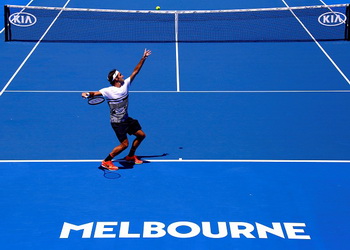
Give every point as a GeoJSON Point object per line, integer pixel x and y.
{"type": "Point", "coordinates": [332, 19]}
{"type": "Point", "coordinates": [22, 19]}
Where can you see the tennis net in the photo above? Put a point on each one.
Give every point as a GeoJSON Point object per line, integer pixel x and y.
{"type": "Point", "coordinates": [51, 24]}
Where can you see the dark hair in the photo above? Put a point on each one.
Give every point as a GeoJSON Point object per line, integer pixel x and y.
{"type": "Point", "coordinates": [110, 76]}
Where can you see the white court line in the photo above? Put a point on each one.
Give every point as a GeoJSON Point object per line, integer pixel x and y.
{"type": "Point", "coordinates": [326, 6]}
{"type": "Point", "coordinates": [317, 43]}
{"type": "Point", "coordinates": [177, 52]}
{"type": "Point", "coordinates": [31, 52]}
{"type": "Point", "coordinates": [183, 160]}
{"type": "Point", "coordinates": [189, 91]}
{"type": "Point", "coordinates": [19, 12]}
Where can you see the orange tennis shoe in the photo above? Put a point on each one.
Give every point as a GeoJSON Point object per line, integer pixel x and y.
{"type": "Point", "coordinates": [133, 159]}
{"type": "Point", "coordinates": [109, 165]}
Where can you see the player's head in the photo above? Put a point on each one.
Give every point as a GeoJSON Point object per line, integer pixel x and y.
{"type": "Point", "coordinates": [115, 76]}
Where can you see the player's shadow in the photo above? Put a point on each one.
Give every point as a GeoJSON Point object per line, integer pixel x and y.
{"type": "Point", "coordinates": [108, 174]}
{"type": "Point", "coordinates": [125, 165]}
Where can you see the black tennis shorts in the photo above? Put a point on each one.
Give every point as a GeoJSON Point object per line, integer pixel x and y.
{"type": "Point", "coordinates": [130, 126]}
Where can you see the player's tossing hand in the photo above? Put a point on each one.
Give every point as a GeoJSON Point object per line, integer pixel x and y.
{"type": "Point", "coordinates": [146, 53]}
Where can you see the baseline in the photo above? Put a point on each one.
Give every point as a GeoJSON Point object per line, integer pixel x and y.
{"type": "Point", "coordinates": [182, 160]}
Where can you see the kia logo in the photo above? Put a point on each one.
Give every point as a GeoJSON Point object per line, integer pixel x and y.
{"type": "Point", "coordinates": [22, 19]}
{"type": "Point", "coordinates": [332, 19]}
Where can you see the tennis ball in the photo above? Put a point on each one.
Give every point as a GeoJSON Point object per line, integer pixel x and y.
{"type": "Point", "coordinates": [158, 8]}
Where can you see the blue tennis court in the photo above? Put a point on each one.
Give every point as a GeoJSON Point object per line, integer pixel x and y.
{"type": "Point", "coordinates": [247, 143]}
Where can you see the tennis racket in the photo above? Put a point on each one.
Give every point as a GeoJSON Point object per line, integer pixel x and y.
{"type": "Point", "coordinates": [95, 100]}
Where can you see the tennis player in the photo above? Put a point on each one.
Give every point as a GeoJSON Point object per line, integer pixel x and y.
{"type": "Point", "coordinates": [122, 124]}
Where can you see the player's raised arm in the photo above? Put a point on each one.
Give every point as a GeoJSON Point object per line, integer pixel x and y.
{"type": "Point", "coordinates": [138, 67]}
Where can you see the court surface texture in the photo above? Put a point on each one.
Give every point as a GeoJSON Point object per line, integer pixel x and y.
{"type": "Point", "coordinates": [247, 144]}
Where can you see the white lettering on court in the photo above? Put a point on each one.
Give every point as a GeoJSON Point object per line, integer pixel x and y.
{"type": "Point", "coordinates": [185, 229]}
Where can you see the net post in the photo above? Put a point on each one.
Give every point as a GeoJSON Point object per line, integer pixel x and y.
{"type": "Point", "coordinates": [6, 23]}
{"type": "Point", "coordinates": [347, 23]}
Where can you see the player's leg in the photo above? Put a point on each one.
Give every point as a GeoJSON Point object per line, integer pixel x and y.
{"type": "Point", "coordinates": [120, 131]}
{"type": "Point", "coordinates": [120, 148]}
{"type": "Point", "coordinates": [107, 162]}
{"type": "Point", "coordinates": [140, 136]}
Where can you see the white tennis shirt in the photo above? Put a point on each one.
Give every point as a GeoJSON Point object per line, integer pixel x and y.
{"type": "Point", "coordinates": [117, 99]}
